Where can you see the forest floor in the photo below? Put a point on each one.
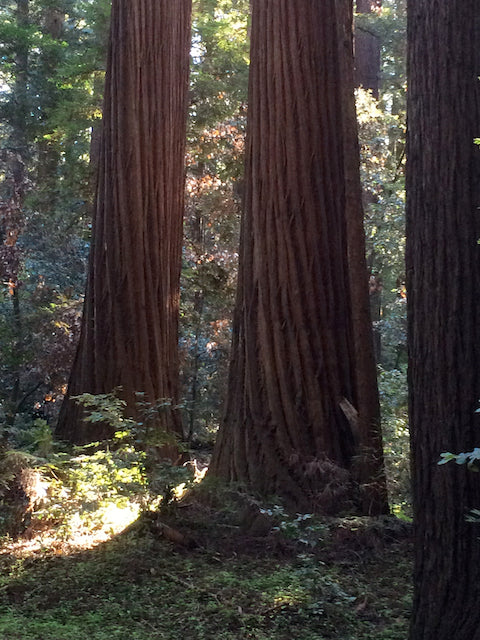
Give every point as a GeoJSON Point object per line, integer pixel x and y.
{"type": "Point", "coordinates": [201, 572]}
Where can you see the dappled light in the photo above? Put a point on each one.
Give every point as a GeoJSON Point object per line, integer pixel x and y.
{"type": "Point", "coordinates": [86, 525]}
{"type": "Point", "coordinates": [75, 535]}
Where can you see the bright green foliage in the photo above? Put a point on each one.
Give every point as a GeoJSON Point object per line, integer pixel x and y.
{"type": "Point", "coordinates": [61, 104]}
{"type": "Point", "coordinates": [472, 460]}
{"type": "Point", "coordinates": [384, 188]}
{"type": "Point", "coordinates": [396, 438]}
{"type": "Point", "coordinates": [382, 143]}
{"type": "Point", "coordinates": [219, 74]}
{"type": "Point", "coordinates": [80, 490]}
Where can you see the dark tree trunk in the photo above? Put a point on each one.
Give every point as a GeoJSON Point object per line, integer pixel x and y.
{"type": "Point", "coordinates": [443, 279]}
{"type": "Point", "coordinates": [48, 152]}
{"type": "Point", "coordinates": [367, 6]}
{"type": "Point", "coordinates": [130, 323]}
{"type": "Point", "coordinates": [18, 137]}
{"type": "Point", "coordinates": [293, 374]}
{"type": "Point", "coordinates": [367, 51]}
{"type": "Point", "coordinates": [369, 467]}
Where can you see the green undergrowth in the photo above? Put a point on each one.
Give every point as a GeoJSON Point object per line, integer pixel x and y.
{"type": "Point", "coordinates": [347, 579]}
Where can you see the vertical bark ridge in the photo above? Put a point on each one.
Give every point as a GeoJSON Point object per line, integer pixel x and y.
{"type": "Point", "coordinates": [443, 279]}
{"type": "Point", "coordinates": [292, 361]}
{"type": "Point", "coordinates": [130, 323]}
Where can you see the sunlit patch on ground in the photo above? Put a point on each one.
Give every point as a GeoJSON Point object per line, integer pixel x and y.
{"type": "Point", "coordinates": [76, 534]}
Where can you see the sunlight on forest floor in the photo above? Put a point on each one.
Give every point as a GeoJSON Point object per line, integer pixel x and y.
{"type": "Point", "coordinates": [80, 527]}
{"type": "Point", "coordinates": [346, 578]}
{"type": "Point", "coordinates": [76, 535]}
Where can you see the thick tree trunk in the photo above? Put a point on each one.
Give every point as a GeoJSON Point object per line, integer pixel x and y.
{"type": "Point", "coordinates": [129, 332]}
{"type": "Point", "coordinates": [292, 376]}
{"type": "Point", "coordinates": [443, 279]}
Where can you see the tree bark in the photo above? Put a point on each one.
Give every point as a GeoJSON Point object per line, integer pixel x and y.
{"type": "Point", "coordinates": [367, 51]}
{"type": "Point", "coordinates": [443, 280]}
{"type": "Point", "coordinates": [367, 6]}
{"type": "Point", "coordinates": [291, 426]}
{"type": "Point", "coordinates": [368, 465]}
{"type": "Point", "coordinates": [130, 322]}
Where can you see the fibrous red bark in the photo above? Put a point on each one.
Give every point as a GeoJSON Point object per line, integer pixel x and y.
{"type": "Point", "coordinates": [291, 424]}
{"type": "Point", "coordinates": [129, 331]}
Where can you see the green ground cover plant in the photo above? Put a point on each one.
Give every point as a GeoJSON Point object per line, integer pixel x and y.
{"type": "Point", "coordinates": [220, 581]}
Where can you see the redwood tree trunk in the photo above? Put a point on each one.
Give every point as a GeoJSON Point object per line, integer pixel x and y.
{"type": "Point", "coordinates": [443, 278]}
{"type": "Point", "coordinates": [292, 376]}
{"type": "Point", "coordinates": [129, 332]}
{"type": "Point", "coordinates": [369, 465]}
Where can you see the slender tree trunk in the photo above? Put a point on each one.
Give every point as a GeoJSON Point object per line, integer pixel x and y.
{"type": "Point", "coordinates": [18, 137]}
{"type": "Point", "coordinates": [130, 322]}
{"type": "Point", "coordinates": [194, 385]}
{"type": "Point", "coordinates": [53, 20]}
{"type": "Point", "coordinates": [293, 375]}
{"type": "Point", "coordinates": [367, 75]}
{"type": "Point", "coordinates": [367, 6]}
{"type": "Point", "coordinates": [369, 466]}
{"type": "Point", "coordinates": [443, 280]}
{"type": "Point", "coordinates": [367, 51]}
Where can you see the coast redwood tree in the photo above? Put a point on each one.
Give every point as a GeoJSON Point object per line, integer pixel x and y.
{"type": "Point", "coordinates": [443, 279]}
{"type": "Point", "coordinates": [129, 330]}
{"type": "Point", "coordinates": [292, 425]}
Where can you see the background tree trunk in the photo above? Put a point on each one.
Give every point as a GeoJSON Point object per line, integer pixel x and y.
{"type": "Point", "coordinates": [367, 65]}
{"type": "Point", "coordinates": [443, 279]}
{"type": "Point", "coordinates": [129, 332]}
{"type": "Point", "coordinates": [293, 352]}
{"type": "Point", "coordinates": [367, 51]}
{"type": "Point", "coordinates": [369, 467]}
{"type": "Point", "coordinates": [53, 22]}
